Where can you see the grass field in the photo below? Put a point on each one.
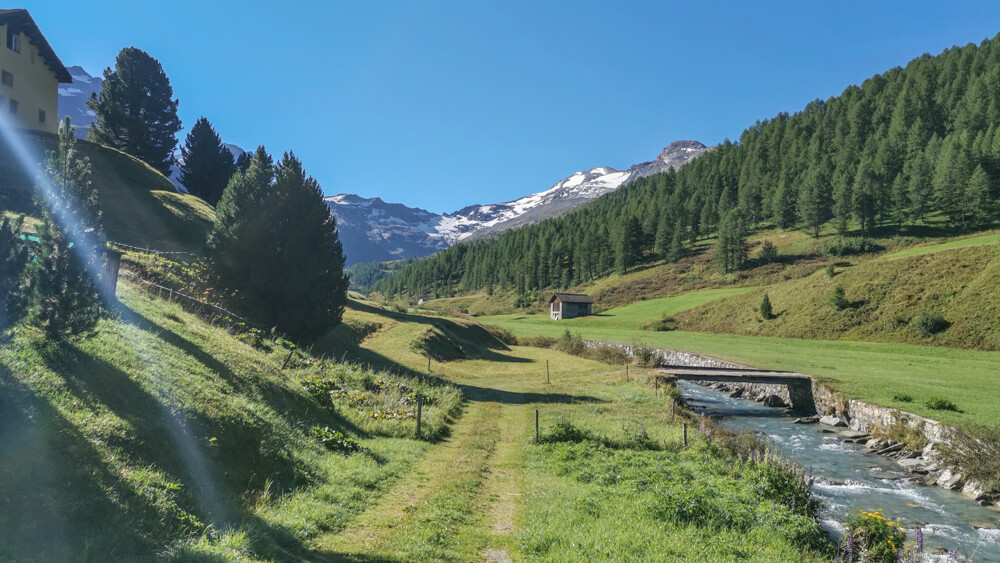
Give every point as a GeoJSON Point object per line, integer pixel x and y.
{"type": "Point", "coordinates": [489, 492]}
{"type": "Point", "coordinates": [162, 434]}
{"type": "Point", "coordinates": [868, 371]}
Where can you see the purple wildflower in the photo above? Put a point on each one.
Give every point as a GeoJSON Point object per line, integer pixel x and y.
{"type": "Point", "coordinates": [850, 547]}
{"type": "Point", "coordinates": [793, 504]}
{"type": "Point", "coordinates": [920, 540]}
{"type": "Point", "coordinates": [837, 560]}
{"type": "Point", "coordinates": [952, 555]}
{"type": "Point", "coordinates": [899, 557]}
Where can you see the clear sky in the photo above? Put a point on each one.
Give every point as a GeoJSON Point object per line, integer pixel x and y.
{"type": "Point", "coordinates": [441, 105]}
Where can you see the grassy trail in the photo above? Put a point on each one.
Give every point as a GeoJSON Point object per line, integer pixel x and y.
{"type": "Point", "coordinates": [454, 505]}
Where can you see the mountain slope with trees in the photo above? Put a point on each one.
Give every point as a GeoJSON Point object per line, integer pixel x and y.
{"type": "Point", "coordinates": [909, 145]}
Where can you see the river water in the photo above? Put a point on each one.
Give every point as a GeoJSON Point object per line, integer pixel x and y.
{"type": "Point", "coordinates": [848, 478]}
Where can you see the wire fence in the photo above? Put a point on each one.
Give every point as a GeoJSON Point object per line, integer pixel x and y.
{"type": "Point", "coordinates": [173, 295]}
{"type": "Point", "coordinates": [149, 250]}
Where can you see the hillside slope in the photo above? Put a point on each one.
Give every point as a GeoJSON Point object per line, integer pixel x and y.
{"type": "Point", "coordinates": [161, 434]}
{"type": "Point", "coordinates": [140, 205]}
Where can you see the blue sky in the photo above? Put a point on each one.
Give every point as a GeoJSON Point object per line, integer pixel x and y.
{"type": "Point", "coordinates": [441, 105]}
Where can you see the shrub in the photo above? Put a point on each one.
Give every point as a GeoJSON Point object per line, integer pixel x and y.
{"type": "Point", "coordinates": [665, 324]}
{"type": "Point", "coordinates": [851, 246]}
{"type": "Point", "coordinates": [929, 324]}
{"type": "Point", "coordinates": [902, 398]}
{"type": "Point", "coordinates": [838, 300]}
{"type": "Point", "coordinates": [900, 431]}
{"type": "Point", "coordinates": [765, 308]}
{"type": "Point", "coordinates": [768, 253]}
{"type": "Point", "coordinates": [335, 441]}
{"type": "Point", "coordinates": [571, 344]}
{"type": "Point", "coordinates": [940, 404]}
{"type": "Point", "coordinates": [564, 431]}
{"type": "Point", "coordinates": [537, 341]}
{"type": "Point", "coordinates": [872, 538]}
{"type": "Point", "coordinates": [645, 355]}
{"type": "Point", "coordinates": [977, 452]}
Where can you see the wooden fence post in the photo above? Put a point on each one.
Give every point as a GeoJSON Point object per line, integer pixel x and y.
{"type": "Point", "coordinates": [546, 373]}
{"type": "Point", "coordinates": [428, 363]}
{"type": "Point", "coordinates": [536, 426]}
{"type": "Point", "coordinates": [420, 408]}
{"type": "Point", "coordinates": [656, 387]}
{"type": "Point", "coordinates": [671, 410]}
{"type": "Point", "coordinates": [626, 372]}
{"type": "Point", "coordinates": [289, 357]}
{"type": "Point", "coordinates": [684, 431]}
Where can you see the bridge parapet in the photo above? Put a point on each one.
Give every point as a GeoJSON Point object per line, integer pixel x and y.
{"type": "Point", "coordinates": [799, 385]}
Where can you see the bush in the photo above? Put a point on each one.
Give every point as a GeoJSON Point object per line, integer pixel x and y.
{"type": "Point", "coordinates": [335, 441]}
{"type": "Point", "coordinates": [571, 344]}
{"type": "Point", "coordinates": [977, 452]}
{"type": "Point", "coordinates": [665, 324]}
{"type": "Point", "coordinates": [565, 431]}
{"type": "Point", "coordinates": [765, 308]}
{"type": "Point", "coordinates": [851, 246]}
{"type": "Point", "coordinates": [940, 404]}
{"type": "Point", "coordinates": [645, 355]}
{"type": "Point", "coordinates": [872, 538]}
{"type": "Point", "coordinates": [537, 341]}
{"type": "Point", "coordinates": [768, 253]}
{"type": "Point", "coordinates": [929, 324]}
{"type": "Point", "coordinates": [838, 300]}
{"type": "Point", "coordinates": [902, 398]}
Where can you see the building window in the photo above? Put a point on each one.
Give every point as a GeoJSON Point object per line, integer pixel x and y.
{"type": "Point", "coordinates": [13, 106]}
{"type": "Point", "coordinates": [13, 41]}
{"type": "Point", "coordinates": [7, 79]}
{"type": "Point", "coordinates": [41, 116]}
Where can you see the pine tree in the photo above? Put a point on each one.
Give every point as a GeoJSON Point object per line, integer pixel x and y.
{"type": "Point", "coordinates": [975, 195]}
{"type": "Point", "coordinates": [134, 112]}
{"type": "Point", "coordinates": [275, 244]}
{"type": "Point", "coordinates": [13, 259]}
{"type": "Point", "coordinates": [207, 163]}
{"type": "Point", "coordinates": [243, 162]}
{"type": "Point", "coordinates": [663, 233]}
{"type": "Point", "coordinates": [630, 245]}
{"type": "Point", "coordinates": [765, 308]}
{"type": "Point", "coordinates": [731, 248]}
{"type": "Point", "coordinates": [64, 297]}
{"type": "Point", "coordinates": [676, 251]}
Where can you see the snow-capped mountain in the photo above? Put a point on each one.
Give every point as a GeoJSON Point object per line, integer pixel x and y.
{"type": "Point", "coordinates": [73, 99]}
{"type": "Point", "coordinates": [373, 230]}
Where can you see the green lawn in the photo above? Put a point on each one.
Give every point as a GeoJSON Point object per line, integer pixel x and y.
{"type": "Point", "coordinates": [868, 371]}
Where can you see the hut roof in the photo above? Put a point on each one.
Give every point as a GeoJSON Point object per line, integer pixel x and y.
{"type": "Point", "coordinates": [572, 298]}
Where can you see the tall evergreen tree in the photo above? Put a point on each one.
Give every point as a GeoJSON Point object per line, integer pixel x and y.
{"type": "Point", "coordinates": [275, 246]}
{"type": "Point", "coordinates": [64, 297]}
{"type": "Point", "coordinates": [629, 245]}
{"type": "Point", "coordinates": [731, 248]}
{"type": "Point", "coordinates": [207, 163]}
{"type": "Point", "coordinates": [13, 259]}
{"type": "Point", "coordinates": [134, 112]}
{"type": "Point", "coordinates": [676, 251]}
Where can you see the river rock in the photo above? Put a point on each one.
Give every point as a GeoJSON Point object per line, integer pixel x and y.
{"type": "Point", "coordinates": [890, 449]}
{"type": "Point", "coordinates": [973, 490]}
{"type": "Point", "coordinates": [831, 421]}
{"type": "Point", "coordinates": [951, 479]}
{"type": "Point", "coordinates": [737, 393]}
{"type": "Point", "coordinates": [773, 401]}
{"type": "Point", "coordinates": [917, 465]}
{"type": "Point", "coordinates": [807, 420]}
{"type": "Point", "coordinates": [852, 434]}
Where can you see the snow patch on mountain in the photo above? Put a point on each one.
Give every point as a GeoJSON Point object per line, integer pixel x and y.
{"type": "Point", "coordinates": [373, 230]}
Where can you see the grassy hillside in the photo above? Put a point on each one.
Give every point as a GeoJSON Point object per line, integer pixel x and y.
{"type": "Point", "coordinates": [955, 279]}
{"type": "Point", "coordinates": [161, 434]}
{"type": "Point", "coordinates": [140, 205]}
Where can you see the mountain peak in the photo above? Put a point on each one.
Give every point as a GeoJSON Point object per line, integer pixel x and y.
{"type": "Point", "coordinates": [682, 149]}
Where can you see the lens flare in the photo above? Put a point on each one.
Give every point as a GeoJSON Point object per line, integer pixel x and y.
{"type": "Point", "coordinates": [30, 160]}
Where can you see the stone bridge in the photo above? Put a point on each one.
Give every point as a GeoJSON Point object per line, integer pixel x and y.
{"type": "Point", "coordinates": [799, 385]}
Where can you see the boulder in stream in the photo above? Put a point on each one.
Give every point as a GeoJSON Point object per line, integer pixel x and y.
{"type": "Point", "coordinates": [951, 480]}
{"type": "Point", "coordinates": [917, 465]}
{"type": "Point", "coordinates": [773, 401]}
{"type": "Point", "coordinates": [831, 421]}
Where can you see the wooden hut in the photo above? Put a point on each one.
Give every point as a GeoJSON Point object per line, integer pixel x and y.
{"type": "Point", "coordinates": [570, 305]}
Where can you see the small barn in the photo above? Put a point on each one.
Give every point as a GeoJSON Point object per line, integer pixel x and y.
{"type": "Point", "coordinates": [569, 305]}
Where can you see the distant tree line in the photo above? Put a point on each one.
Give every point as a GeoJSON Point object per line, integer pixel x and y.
{"type": "Point", "coordinates": [911, 144]}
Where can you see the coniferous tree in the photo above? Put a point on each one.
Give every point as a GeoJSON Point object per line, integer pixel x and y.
{"type": "Point", "coordinates": [134, 112]}
{"type": "Point", "coordinates": [64, 297]}
{"type": "Point", "coordinates": [13, 259]}
{"type": "Point", "coordinates": [731, 248]}
{"type": "Point", "coordinates": [765, 308]}
{"type": "Point", "coordinates": [243, 161]}
{"type": "Point", "coordinates": [207, 165]}
{"type": "Point", "coordinates": [275, 245]}
{"type": "Point", "coordinates": [663, 234]}
{"type": "Point", "coordinates": [630, 245]}
{"type": "Point", "coordinates": [676, 251]}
